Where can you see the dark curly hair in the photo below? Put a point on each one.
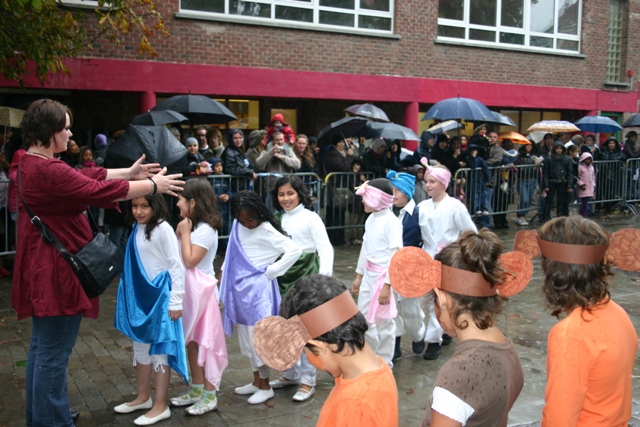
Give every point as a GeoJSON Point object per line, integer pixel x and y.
{"type": "Point", "coordinates": [297, 185]}
{"type": "Point", "coordinates": [252, 204]}
{"type": "Point", "coordinates": [479, 253]}
{"type": "Point", "coordinates": [312, 291]}
{"type": "Point", "coordinates": [568, 286]}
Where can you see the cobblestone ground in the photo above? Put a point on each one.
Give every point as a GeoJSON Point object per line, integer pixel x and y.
{"type": "Point", "coordinates": [101, 374]}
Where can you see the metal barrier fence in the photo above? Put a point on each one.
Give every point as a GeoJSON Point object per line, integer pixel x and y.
{"type": "Point", "coordinates": [487, 193]}
{"type": "Point", "coordinates": [501, 190]}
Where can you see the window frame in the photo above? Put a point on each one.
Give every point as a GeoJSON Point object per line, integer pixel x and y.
{"type": "Point", "coordinates": [313, 5]}
{"type": "Point", "coordinates": [525, 31]}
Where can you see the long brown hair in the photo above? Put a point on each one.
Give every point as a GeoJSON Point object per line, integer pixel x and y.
{"type": "Point", "coordinates": [206, 207]}
{"type": "Point", "coordinates": [308, 154]}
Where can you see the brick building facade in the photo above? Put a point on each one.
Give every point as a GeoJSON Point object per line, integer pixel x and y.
{"type": "Point", "coordinates": [316, 70]}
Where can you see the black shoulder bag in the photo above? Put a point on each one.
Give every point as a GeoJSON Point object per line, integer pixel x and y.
{"type": "Point", "coordinates": [97, 264]}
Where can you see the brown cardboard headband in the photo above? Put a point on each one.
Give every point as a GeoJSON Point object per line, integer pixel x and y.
{"type": "Point", "coordinates": [623, 249]}
{"type": "Point", "coordinates": [279, 342]}
{"type": "Point", "coordinates": [413, 273]}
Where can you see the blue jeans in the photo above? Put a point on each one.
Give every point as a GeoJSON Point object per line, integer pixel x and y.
{"type": "Point", "coordinates": [488, 206]}
{"type": "Point", "coordinates": [526, 189]}
{"type": "Point", "coordinates": [52, 340]}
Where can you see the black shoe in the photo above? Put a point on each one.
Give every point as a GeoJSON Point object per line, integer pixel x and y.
{"type": "Point", "coordinates": [75, 416]}
{"type": "Point", "coordinates": [418, 347]}
{"type": "Point", "coordinates": [433, 351]}
{"type": "Point", "coordinates": [396, 351]}
{"type": "Point", "coordinates": [446, 339]}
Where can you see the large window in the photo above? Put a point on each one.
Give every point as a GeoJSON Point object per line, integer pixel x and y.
{"type": "Point", "coordinates": [369, 16]}
{"type": "Point", "coordinates": [544, 25]}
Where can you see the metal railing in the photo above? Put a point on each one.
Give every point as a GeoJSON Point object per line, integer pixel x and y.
{"type": "Point", "coordinates": [512, 189]}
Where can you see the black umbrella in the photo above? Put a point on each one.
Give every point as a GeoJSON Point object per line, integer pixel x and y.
{"type": "Point", "coordinates": [349, 126]}
{"type": "Point", "coordinates": [633, 120]}
{"type": "Point", "coordinates": [158, 118]}
{"type": "Point", "coordinates": [199, 109]}
{"type": "Point", "coordinates": [369, 111]}
{"type": "Point", "coordinates": [388, 131]}
{"type": "Point", "coordinates": [458, 108]}
{"type": "Point", "coordinates": [156, 142]}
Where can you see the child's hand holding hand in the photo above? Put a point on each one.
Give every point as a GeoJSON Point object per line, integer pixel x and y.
{"type": "Point", "coordinates": [385, 294]}
{"type": "Point", "coordinates": [175, 314]}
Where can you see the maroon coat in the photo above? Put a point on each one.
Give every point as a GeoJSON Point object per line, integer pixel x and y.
{"type": "Point", "coordinates": [43, 282]}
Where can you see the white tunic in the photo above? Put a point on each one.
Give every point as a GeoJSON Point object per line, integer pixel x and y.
{"type": "Point", "coordinates": [308, 232]}
{"type": "Point", "coordinates": [206, 237]}
{"type": "Point", "coordinates": [263, 245]}
{"type": "Point", "coordinates": [382, 238]}
{"type": "Point", "coordinates": [443, 224]}
{"type": "Point", "coordinates": [161, 253]}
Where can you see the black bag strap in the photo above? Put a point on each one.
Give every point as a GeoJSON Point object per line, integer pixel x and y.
{"type": "Point", "coordinates": [46, 234]}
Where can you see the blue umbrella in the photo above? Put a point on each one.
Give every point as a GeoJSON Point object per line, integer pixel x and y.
{"type": "Point", "coordinates": [458, 109]}
{"type": "Point", "coordinates": [598, 124]}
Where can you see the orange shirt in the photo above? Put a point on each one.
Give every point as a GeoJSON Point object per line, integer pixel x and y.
{"type": "Point", "coordinates": [589, 365]}
{"type": "Point", "coordinates": [370, 400]}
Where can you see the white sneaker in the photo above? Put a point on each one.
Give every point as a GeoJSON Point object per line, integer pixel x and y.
{"type": "Point", "coordinates": [202, 407]}
{"type": "Point", "coordinates": [187, 399]}
{"type": "Point", "coordinates": [261, 396]}
{"type": "Point", "coordinates": [246, 389]}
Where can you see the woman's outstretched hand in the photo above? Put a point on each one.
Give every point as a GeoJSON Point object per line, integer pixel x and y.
{"type": "Point", "coordinates": [168, 184]}
{"type": "Point", "coordinates": [138, 171]}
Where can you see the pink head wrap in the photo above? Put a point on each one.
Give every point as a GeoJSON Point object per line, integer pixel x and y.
{"type": "Point", "coordinates": [441, 174]}
{"type": "Point", "coordinates": [375, 198]}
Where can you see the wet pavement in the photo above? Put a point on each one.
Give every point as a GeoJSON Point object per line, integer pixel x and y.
{"type": "Point", "coordinates": [101, 374]}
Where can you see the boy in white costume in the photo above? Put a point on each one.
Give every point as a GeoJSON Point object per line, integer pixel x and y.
{"type": "Point", "coordinates": [382, 238]}
{"type": "Point", "coordinates": [442, 220]}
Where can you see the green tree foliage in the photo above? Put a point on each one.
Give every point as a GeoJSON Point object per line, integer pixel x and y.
{"type": "Point", "coordinates": [47, 31]}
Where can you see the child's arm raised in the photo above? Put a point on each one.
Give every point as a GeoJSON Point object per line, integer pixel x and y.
{"type": "Point", "coordinates": [192, 254]}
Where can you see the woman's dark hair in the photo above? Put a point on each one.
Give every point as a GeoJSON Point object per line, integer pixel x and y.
{"type": "Point", "coordinates": [42, 120]}
{"type": "Point", "coordinates": [297, 185]}
{"type": "Point", "coordinates": [214, 132]}
{"type": "Point", "coordinates": [382, 184]}
{"type": "Point", "coordinates": [252, 204]}
{"type": "Point", "coordinates": [206, 208]}
{"type": "Point", "coordinates": [313, 291]}
{"type": "Point", "coordinates": [568, 286]}
{"type": "Point", "coordinates": [479, 253]}
{"type": "Point", "coordinates": [160, 213]}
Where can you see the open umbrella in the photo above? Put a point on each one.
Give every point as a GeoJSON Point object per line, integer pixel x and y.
{"type": "Point", "coordinates": [445, 126]}
{"type": "Point", "coordinates": [553, 126]}
{"type": "Point", "coordinates": [10, 117]}
{"type": "Point", "coordinates": [348, 126]}
{"type": "Point", "coordinates": [633, 120]}
{"type": "Point", "coordinates": [158, 118]}
{"type": "Point", "coordinates": [369, 111]}
{"type": "Point", "coordinates": [499, 119]}
{"type": "Point", "coordinates": [515, 137]}
{"type": "Point", "coordinates": [598, 124]}
{"type": "Point", "coordinates": [458, 109]}
{"type": "Point", "coordinates": [199, 109]}
{"type": "Point", "coordinates": [388, 131]}
{"type": "Point", "coordinates": [156, 142]}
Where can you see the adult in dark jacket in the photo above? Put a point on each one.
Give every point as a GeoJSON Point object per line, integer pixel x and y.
{"type": "Point", "coordinates": [337, 160]}
{"type": "Point", "coordinates": [609, 175]}
{"type": "Point", "coordinates": [374, 159]}
{"type": "Point", "coordinates": [558, 180]}
{"type": "Point", "coordinates": [234, 159]}
{"type": "Point", "coordinates": [527, 174]}
{"type": "Point", "coordinates": [632, 151]}
{"type": "Point", "coordinates": [424, 149]}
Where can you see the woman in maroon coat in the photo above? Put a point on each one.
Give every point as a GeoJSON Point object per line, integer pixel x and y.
{"type": "Point", "coordinates": [44, 285]}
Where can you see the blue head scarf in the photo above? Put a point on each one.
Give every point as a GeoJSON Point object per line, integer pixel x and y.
{"type": "Point", "coordinates": [404, 182]}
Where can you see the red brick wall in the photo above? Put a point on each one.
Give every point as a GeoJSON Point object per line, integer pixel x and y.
{"type": "Point", "coordinates": [415, 54]}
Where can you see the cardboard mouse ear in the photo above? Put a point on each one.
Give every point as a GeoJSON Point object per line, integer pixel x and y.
{"type": "Point", "coordinates": [279, 342]}
{"type": "Point", "coordinates": [413, 273]}
{"type": "Point", "coordinates": [519, 270]}
{"type": "Point", "coordinates": [527, 243]}
{"type": "Point", "coordinates": [624, 249]}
